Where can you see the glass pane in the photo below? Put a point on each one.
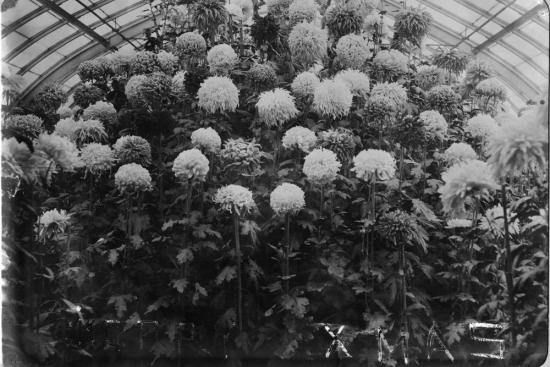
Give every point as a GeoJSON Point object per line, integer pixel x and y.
{"type": "Point", "coordinates": [22, 7]}
{"type": "Point", "coordinates": [47, 64]}
{"type": "Point", "coordinates": [57, 35]}
{"type": "Point", "coordinates": [74, 45]}
{"type": "Point", "coordinates": [534, 76]}
{"type": "Point", "coordinates": [503, 53]}
{"type": "Point", "coordinates": [11, 41]}
{"type": "Point", "coordinates": [28, 54]}
{"type": "Point", "coordinates": [71, 6]}
{"type": "Point", "coordinates": [509, 15]}
{"type": "Point", "coordinates": [37, 24]}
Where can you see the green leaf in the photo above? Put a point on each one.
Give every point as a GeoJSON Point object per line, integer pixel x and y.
{"type": "Point", "coordinates": [162, 348]}
{"type": "Point", "coordinates": [185, 255]}
{"type": "Point", "coordinates": [161, 302]}
{"type": "Point", "coordinates": [120, 303]}
{"type": "Point", "coordinates": [228, 273]}
{"type": "Point", "coordinates": [199, 291]}
{"type": "Point", "coordinates": [454, 333]}
{"type": "Point", "coordinates": [296, 305]}
{"type": "Point", "coordinates": [132, 321]}
{"type": "Point", "coordinates": [179, 284]}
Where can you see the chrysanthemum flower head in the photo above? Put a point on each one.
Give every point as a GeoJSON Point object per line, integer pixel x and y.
{"type": "Point", "coordinates": [476, 71]}
{"type": "Point", "coordinates": [178, 85]}
{"type": "Point", "coordinates": [85, 95]}
{"type": "Point", "coordinates": [66, 127]}
{"type": "Point", "coordinates": [481, 126]}
{"type": "Point", "coordinates": [332, 98]}
{"type": "Point", "coordinates": [428, 76]}
{"type": "Point", "coordinates": [304, 84]}
{"type": "Point", "coordinates": [207, 139]}
{"type": "Point", "coordinates": [218, 94]}
{"type": "Point", "coordinates": [97, 158]}
{"type": "Point", "coordinates": [243, 154]}
{"type": "Point", "coordinates": [308, 44]}
{"type": "Point", "coordinates": [235, 199]}
{"type": "Point", "coordinates": [190, 44]}
{"type": "Point", "coordinates": [374, 164]}
{"type": "Point", "coordinates": [357, 82]}
{"type": "Point", "coordinates": [262, 75]}
{"type": "Point", "coordinates": [246, 7]}
{"type": "Point", "coordinates": [144, 62]}
{"type": "Point", "coordinates": [191, 165]}
{"type": "Point", "coordinates": [493, 222]}
{"type": "Point", "coordinates": [342, 18]}
{"type": "Point", "coordinates": [121, 61]}
{"type": "Point", "coordinates": [102, 111]}
{"type": "Point", "coordinates": [53, 222]}
{"type": "Point", "coordinates": [458, 153]}
{"type": "Point", "coordinates": [221, 59]}
{"type": "Point", "coordinates": [492, 88]}
{"type": "Point", "coordinates": [390, 63]}
{"type": "Point", "coordinates": [352, 51]}
{"type": "Point", "coordinates": [341, 141]}
{"type": "Point", "coordinates": [434, 123]}
{"type": "Point", "coordinates": [168, 62]}
{"type": "Point", "coordinates": [29, 126]}
{"type": "Point", "coordinates": [132, 178]}
{"type": "Point", "coordinates": [393, 93]}
{"type": "Point", "coordinates": [459, 223]}
{"type": "Point", "coordinates": [299, 137]}
{"type": "Point", "coordinates": [398, 225]}
{"type": "Point", "coordinates": [287, 198]}
{"type": "Point", "coordinates": [302, 10]}
{"type": "Point", "coordinates": [58, 149]}
{"type": "Point", "coordinates": [276, 107]}
{"type": "Point", "coordinates": [462, 181]}
{"type": "Point", "coordinates": [442, 98]}
{"type": "Point", "coordinates": [89, 131]}
{"type": "Point", "coordinates": [321, 166]}
{"type": "Point", "coordinates": [64, 112]}
{"type": "Point", "coordinates": [132, 149]}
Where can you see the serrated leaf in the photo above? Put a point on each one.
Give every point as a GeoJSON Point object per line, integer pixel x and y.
{"type": "Point", "coordinates": [179, 284]}
{"type": "Point", "coordinates": [120, 303]}
{"type": "Point", "coordinates": [185, 255]}
{"type": "Point", "coordinates": [296, 305]}
{"type": "Point", "coordinates": [227, 273]}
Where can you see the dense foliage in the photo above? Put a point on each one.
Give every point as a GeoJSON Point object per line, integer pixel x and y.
{"type": "Point", "coordinates": [209, 201]}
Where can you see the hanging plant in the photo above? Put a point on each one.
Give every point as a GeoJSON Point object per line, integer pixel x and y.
{"type": "Point", "coordinates": [208, 15]}
{"type": "Point", "coordinates": [412, 24]}
{"type": "Point", "coordinates": [342, 19]}
{"type": "Point", "coordinates": [454, 61]}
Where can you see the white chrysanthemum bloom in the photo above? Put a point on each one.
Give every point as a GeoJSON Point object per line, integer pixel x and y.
{"type": "Point", "coordinates": [491, 87]}
{"type": "Point", "coordinates": [207, 139]}
{"type": "Point", "coordinates": [357, 82]}
{"type": "Point", "coordinates": [303, 10]}
{"type": "Point", "coordinates": [246, 6]}
{"type": "Point", "coordinates": [428, 76]}
{"type": "Point", "coordinates": [178, 85]}
{"type": "Point", "coordinates": [218, 94]}
{"type": "Point", "coordinates": [168, 62]}
{"type": "Point", "coordinates": [371, 22]}
{"type": "Point", "coordinates": [60, 150]}
{"type": "Point", "coordinates": [235, 11]}
{"type": "Point", "coordinates": [131, 178]}
{"type": "Point", "coordinates": [89, 131]}
{"type": "Point", "coordinates": [191, 165]}
{"type": "Point", "coordinates": [308, 43]}
{"type": "Point", "coordinates": [481, 126]}
{"type": "Point", "coordinates": [97, 158]}
{"type": "Point", "coordinates": [466, 180]}
{"type": "Point", "coordinates": [102, 111]}
{"type": "Point", "coordinates": [53, 221]}
{"type": "Point", "coordinates": [352, 51]}
{"type": "Point", "coordinates": [235, 199]}
{"type": "Point", "coordinates": [394, 93]}
{"type": "Point", "coordinates": [121, 60]}
{"type": "Point", "coordinates": [305, 84]}
{"type": "Point", "coordinates": [64, 112]}
{"type": "Point", "coordinates": [459, 223]}
{"type": "Point", "coordinates": [27, 125]}
{"type": "Point", "coordinates": [434, 123]}
{"type": "Point", "coordinates": [459, 152]}
{"type": "Point", "coordinates": [391, 61]}
{"type": "Point", "coordinates": [276, 107]}
{"type": "Point", "coordinates": [133, 88]}
{"type": "Point", "coordinates": [190, 44]}
{"type": "Point", "coordinates": [374, 163]}
{"type": "Point", "coordinates": [299, 137]}
{"type": "Point", "coordinates": [221, 59]}
{"type": "Point", "coordinates": [321, 166]}
{"type": "Point", "coordinates": [65, 127]}
{"type": "Point", "coordinates": [132, 149]}
{"type": "Point", "coordinates": [287, 198]}
{"type": "Point", "coordinates": [493, 222]}
{"type": "Point", "coordinates": [332, 98]}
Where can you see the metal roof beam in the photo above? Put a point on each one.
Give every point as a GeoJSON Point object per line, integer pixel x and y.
{"type": "Point", "coordinates": [53, 48]}
{"type": "Point", "coordinates": [520, 9]}
{"type": "Point", "coordinates": [510, 28]}
{"type": "Point", "coordinates": [73, 20]}
{"type": "Point", "coordinates": [25, 18]}
{"type": "Point", "coordinates": [66, 69]}
{"type": "Point", "coordinates": [29, 41]}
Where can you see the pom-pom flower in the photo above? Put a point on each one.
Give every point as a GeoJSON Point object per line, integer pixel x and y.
{"type": "Point", "coordinates": [89, 131]}
{"type": "Point", "coordinates": [85, 95]}
{"type": "Point", "coordinates": [133, 149]}
{"type": "Point", "coordinates": [221, 59]}
{"type": "Point", "coordinates": [469, 180]}
{"type": "Point", "coordinates": [132, 178]}
{"type": "Point", "coordinates": [459, 223]}
{"type": "Point", "coordinates": [190, 45]}
{"type": "Point", "coordinates": [305, 84]}
{"type": "Point", "coordinates": [390, 64]}
{"type": "Point", "coordinates": [428, 76]}
{"type": "Point", "coordinates": [207, 139]}
{"type": "Point", "coordinates": [64, 112]}
{"type": "Point", "coordinates": [59, 150]}
{"type": "Point", "coordinates": [493, 222]}
{"type": "Point", "coordinates": [352, 51]}
{"type": "Point", "coordinates": [97, 158]}
{"type": "Point", "coordinates": [262, 76]}
{"type": "Point", "coordinates": [321, 166]}
{"type": "Point", "coordinates": [66, 128]}
{"type": "Point", "coordinates": [394, 95]}
{"type": "Point", "coordinates": [168, 62]}
{"type": "Point", "coordinates": [332, 98]}
{"type": "Point", "coordinates": [287, 198]}
{"type": "Point", "coordinates": [218, 94]}
{"type": "Point", "coordinates": [144, 62]}
{"type": "Point", "coordinates": [94, 70]}
{"type": "Point", "coordinates": [299, 137]}
{"type": "Point", "coordinates": [434, 123]}
{"type": "Point", "coordinates": [342, 18]}
{"type": "Point", "coordinates": [491, 88]}
{"type": "Point", "coordinates": [302, 10]}
{"type": "Point", "coordinates": [102, 111]}
{"type": "Point", "coordinates": [481, 126]}
{"type": "Point", "coordinates": [459, 152]}
{"type": "Point", "coordinates": [442, 98]}
{"type": "Point", "coordinates": [341, 141]}
{"type": "Point", "coordinates": [178, 85]}
{"type": "Point", "coordinates": [245, 6]}
{"type": "Point", "coordinates": [235, 199]}
{"type": "Point", "coordinates": [308, 44]}
{"type": "Point", "coordinates": [148, 90]}
{"type": "Point", "coordinates": [29, 126]}
{"type": "Point", "coordinates": [374, 164]}
{"type": "Point", "coordinates": [357, 82]}
{"type": "Point", "coordinates": [191, 165]}
{"type": "Point", "coordinates": [53, 222]}
{"type": "Point", "coordinates": [238, 153]}
{"type": "Point", "coordinates": [276, 107]}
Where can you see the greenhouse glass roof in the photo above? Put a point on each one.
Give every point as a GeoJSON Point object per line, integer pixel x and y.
{"type": "Point", "coordinates": [45, 40]}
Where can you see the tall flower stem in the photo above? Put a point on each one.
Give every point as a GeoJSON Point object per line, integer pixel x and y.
{"type": "Point", "coordinates": [188, 201]}
{"type": "Point", "coordinates": [508, 265]}
{"type": "Point", "coordinates": [287, 252]}
{"type": "Point", "coordinates": [239, 275]}
{"type": "Point", "coordinates": [322, 204]}
{"type": "Point", "coordinates": [403, 274]}
{"type": "Point", "coordinates": [128, 212]}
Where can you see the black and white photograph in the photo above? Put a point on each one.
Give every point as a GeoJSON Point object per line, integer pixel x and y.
{"type": "Point", "coordinates": [274, 183]}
